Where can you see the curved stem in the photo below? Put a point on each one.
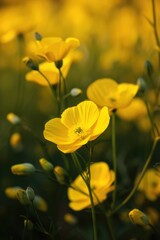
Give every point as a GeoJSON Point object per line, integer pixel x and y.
{"type": "Point", "coordinates": [140, 177]}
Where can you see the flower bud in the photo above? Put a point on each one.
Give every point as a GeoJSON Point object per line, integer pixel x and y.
{"type": "Point", "coordinates": [13, 118]}
{"type": "Point", "coordinates": [46, 165]}
{"type": "Point", "coordinates": [22, 197]}
{"type": "Point", "coordinates": [138, 218]}
{"type": "Point", "coordinates": [142, 84]}
{"type": "Point", "coordinates": [70, 219]}
{"type": "Point", "coordinates": [28, 224]}
{"type": "Point", "coordinates": [29, 63]}
{"type": "Point", "coordinates": [30, 194]}
{"type": "Point", "coordinates": [40, 203]}
{"type": "Point", "coordinates": [15, 141]}
{"type": "Point", "coordinates": [75, 92]}
{"type": "Point", "coordinates": [11, 192]}
{"type": "Point", "coordinates": [60, 174]}
{"type": "Point", "coordinates": [23, 169]}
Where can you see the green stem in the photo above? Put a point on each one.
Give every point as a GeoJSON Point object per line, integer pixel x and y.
{"type": "Point", "coordinates": [140, 177]}
{"type": "Point", "coordinates": [114, 157]}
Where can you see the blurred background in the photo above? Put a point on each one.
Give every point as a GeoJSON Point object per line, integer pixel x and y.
{"type": "Point", "coordinates": [116, 40]}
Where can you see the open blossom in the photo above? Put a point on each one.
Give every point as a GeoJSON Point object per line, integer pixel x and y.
{"type": "Point", "coordinates": [107, 92]}
{"type": "Point", "coordinates": [77, 125]}
{"type": "Point", "coordinates": [101, 182]}
{"type": "Point", "coordinates": [54, 49]}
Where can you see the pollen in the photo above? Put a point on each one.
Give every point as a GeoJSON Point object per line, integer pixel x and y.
{"type": "Point", "coordinates": [78, 130]}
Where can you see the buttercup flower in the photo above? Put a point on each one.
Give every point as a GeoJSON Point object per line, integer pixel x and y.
{"type": "Point", "coordinates": [150, 184]}
{"type": "Point", "coordinates": [101, 182]}
{"type": "Point", "coordinates": [50, 71]}
{"type": "Point", "coordinates": [23, 169]}
{"type": "Point", "coordinates": [11, 192]}
{"type": "Point", "coordinates": [77, 125]}
{"type": "Point", "coordinates": [54, 49]}
{"type": "Point", "coordinates": [107, 92]}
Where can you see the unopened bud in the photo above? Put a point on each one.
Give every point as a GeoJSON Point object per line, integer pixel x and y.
{"type": "Point", "coordinates": [40, 203]}
{"type": "Point", "coordinates": [30, 194]}
{"type": "Point", "coordinates": [60, 174]}
{"type": "Point", "coordinates": [46, 165]}
{"type": "Point", "coordinates": [70, 218]}
{"type": "Point", "coordinates": [29, 63]}
{"type": "Point", "coordinates": [23, 169]}
{"type": "Point", "coordinates": [142, 84]}
{"type": "Point", "coordinates": [11, 192]}
{"type": "Point", "coordinates": [22, 197]}
{"type": "Point", "coordinates": [28, 224]}
{"type": "Point", "coordinates": [13, 118]}
{"type": "Point", "coordinates": [138, 218]}
{"type": "Point", "coordinates": [15, 141]}
{"type": "Point", "coordinates": [75, 92]}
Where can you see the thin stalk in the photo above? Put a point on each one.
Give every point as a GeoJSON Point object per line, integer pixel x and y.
{"type": "Point", "coordinates": [140, 177]}
{"type": "Point", "coordinates": [114, 158]}
{"type": "Point", "coordinates": [49, 84]}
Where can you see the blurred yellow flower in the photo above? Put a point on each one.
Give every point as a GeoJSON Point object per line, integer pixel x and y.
{"type": "Point", "coordinates": [150, 184]}
{"type": "Point", "coordinates": [107, 92]}
{"type": "Point", "coordinates": [101, 182]}
{"type": "Point", "coordinates": [54, 49]}
{"type": "Point", "coordinates": [50, 71]}
{"type": "Point", "coordinates": [134, 111]}
{"type": "Point", "coordinates": [138, 218]}
{"type": "Point", "coordinates": [77, 125]}
{"type": "Point", "coordinates": [11, 192]}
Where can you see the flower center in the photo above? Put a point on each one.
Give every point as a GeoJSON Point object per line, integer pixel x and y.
{"type": "Point", "coordinates": [78, 130]}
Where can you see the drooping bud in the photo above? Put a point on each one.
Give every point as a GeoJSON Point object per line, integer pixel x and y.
{"type": "Point", "coordinates": [22, 197]}
{"type": "Point", "coordinates": [11, 192]}
{"type": "Point", "coordinates": [30, 194]}
{"type": "Point", "coordinates": [30, 63]}
{"type": "Point", "coordinates": [138, 218]}
{"type": "Point", "coordinates": [60, 174]}
{"type": "Point", "coordinates": [46, 165]}
{"type": "Point", "coordinates": [28, 224]}
{"type": "Point", "coordinates": [75, 92]}
{"type": "Point", "coordinates": [23, 169]}
{"type": "Point", "coordinates": [13, 118]}
{"type": "Point", "coordinates": [142, 84]}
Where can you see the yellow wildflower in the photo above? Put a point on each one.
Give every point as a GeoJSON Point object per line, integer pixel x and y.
{"type": "Point", "coordinates": [50, 71]}
{"type": "Point", "coordinates": [55, 49]}
{"type": "Point", "coordinates": [77, 125]}
{"type": "Point", "coordinates": [11, 192]}
{"type": "Point", "coordinates": [107, 92]}
{"type": "Point", "coordinates": [150, 184]}
{"type": "Point", "coordinates": [101, 182]}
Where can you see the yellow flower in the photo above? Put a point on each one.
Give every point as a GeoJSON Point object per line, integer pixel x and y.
{"type": "Point", "coordinates": [50, 71]}
{"type": "Point", "coordinates": [135, 111]}
{"type": "Point", "coordinates": [101, 182]}
{"type": "Point", "coordinates": [107, 92]}
{"type": "Point", "coordinates": [11, 192]}
{"type": "Point", "coordinates": [77, 125]}
{"type": "Point", "coordinates": [54, 49]}
{"type": "Point", "coordinates": [150, 184]}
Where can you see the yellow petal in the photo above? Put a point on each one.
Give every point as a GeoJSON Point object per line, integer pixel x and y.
{"type": "Point", "coordinates": [101, 124]}
{"type": "Point", "coordinates": [56, 132]}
